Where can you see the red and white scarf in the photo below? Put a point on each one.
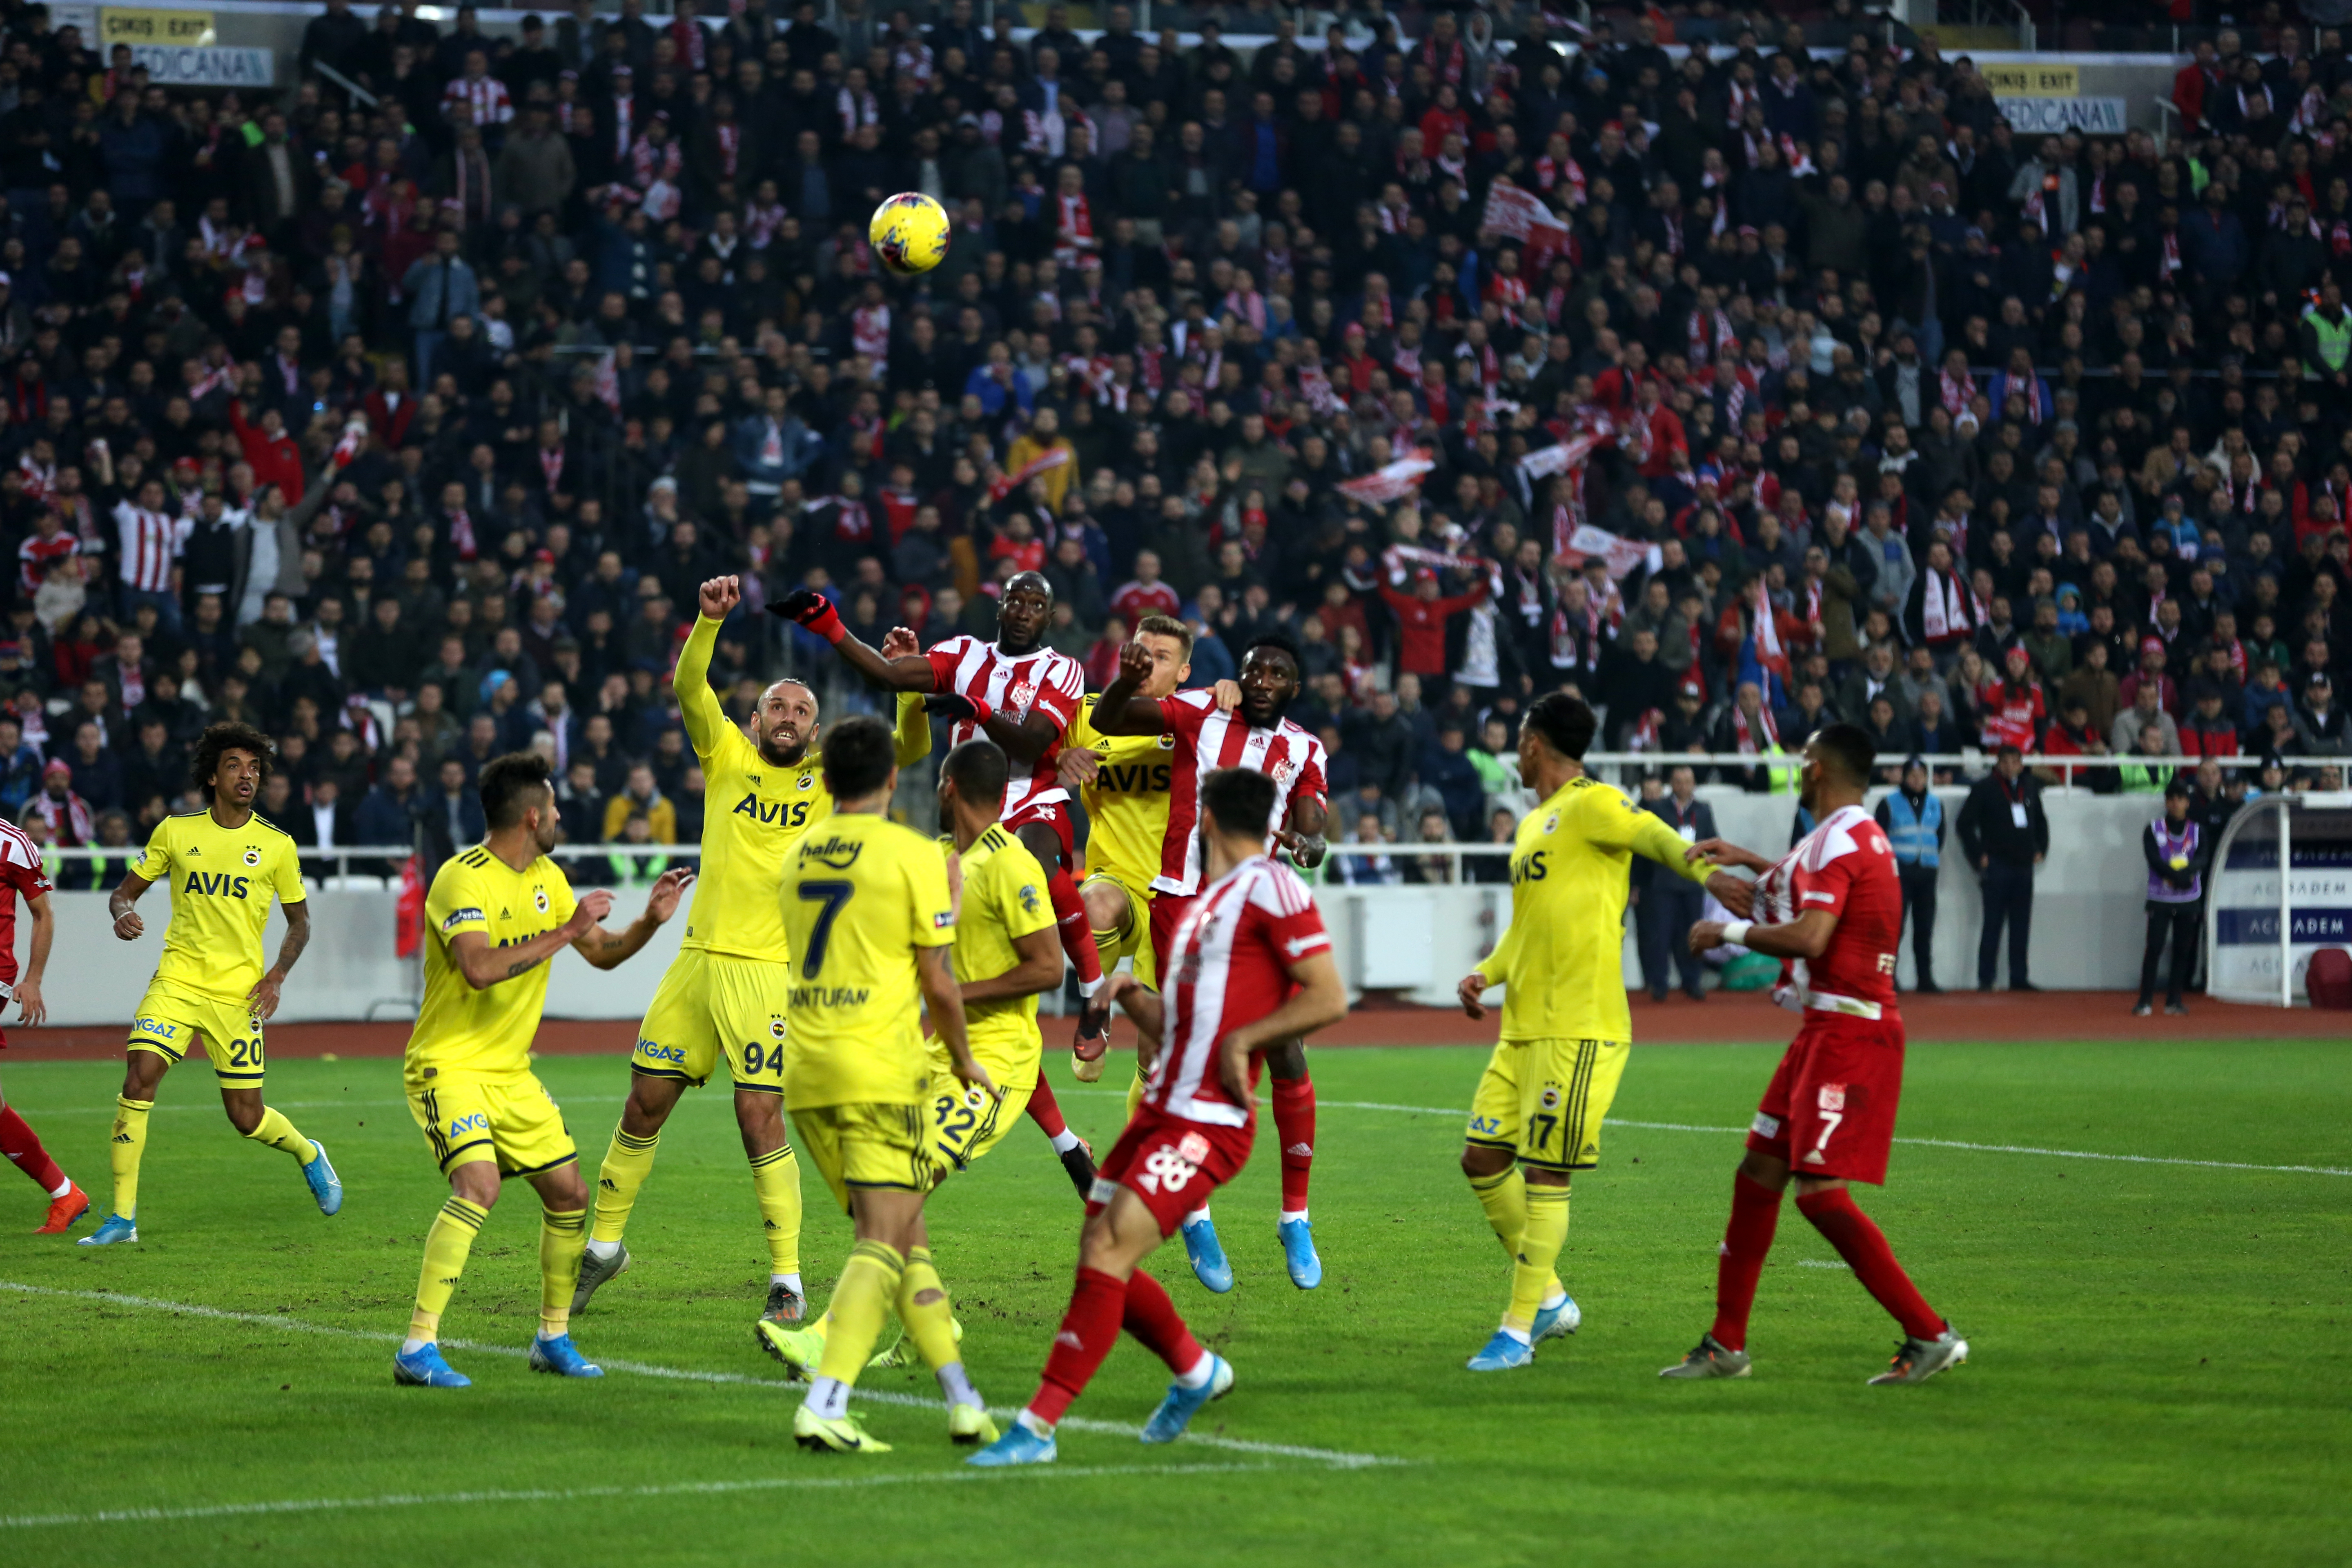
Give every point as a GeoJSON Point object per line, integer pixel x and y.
{"type": "Point", "coordinates": [1957, 392]}
{"type": "Point", "coordinates": [1947, 606]}
{"type": "Point", "coordinates": [1750, 738]}
{"type": "Point", "coordinates": [1710, 335]}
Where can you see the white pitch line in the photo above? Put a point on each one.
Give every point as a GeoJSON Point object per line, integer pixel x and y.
{"type": "Point", "coordinates": [1337, 1458]}
{"type": "Point", "coordinates": [1915, 1142]}
{"type": "Point", "coordinates": [959, 1475]}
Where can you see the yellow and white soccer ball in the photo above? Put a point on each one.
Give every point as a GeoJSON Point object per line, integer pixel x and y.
{"type": "Point", "coordinates": [910, 233]}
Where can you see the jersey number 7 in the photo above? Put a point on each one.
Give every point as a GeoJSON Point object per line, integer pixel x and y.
{"type": "Point", "coordinates": [836, 897]}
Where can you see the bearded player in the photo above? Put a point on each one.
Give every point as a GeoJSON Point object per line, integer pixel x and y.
{"type": "Point", "coordinates": [1257, 737]}
{"type": "Point", "coordinates": [724, 996]}
{"type": "Point", "coordinates": [1021, 694]}
{"type": "Point", "coordinates": [1250, 968]}
{"type": "Point", "coordinates": [1831, 912]}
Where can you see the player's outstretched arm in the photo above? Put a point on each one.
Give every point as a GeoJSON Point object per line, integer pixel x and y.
{"type": "Point", "coordinates": [484, 966]}
{"type": "Point", "coordinates": [1723, 852]}
{"type": "Point", "coordinates": [265, 992]}
{"type": "Point", "coordinates": [128, 925]}
{"type": "Point", "coordinates": [814, 612]}
{"type": "Point", "coordinates": [1303, 837]}
{"type": "Point", "coordinates": [1120, 710]}
{"type": "Point", "coordinates": [697, 703]}
{"type": "Point", "coordinates": [936, 972]}
{"type": "Point", "coordinates": [1320, 1000]}
{"type": "Point", "coordinates": [610, 950]}
{"type": "Point", "coordinates": [1040, 969]}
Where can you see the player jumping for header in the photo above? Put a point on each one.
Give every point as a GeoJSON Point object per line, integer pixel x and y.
{"type": "Point", "coordinates": [1257, 737]}
{"type": "Point", "coordinates": [1021, 694]}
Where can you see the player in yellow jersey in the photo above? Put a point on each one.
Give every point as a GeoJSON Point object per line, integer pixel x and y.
{"type": "Point", "coordinates": [724, 996]}
{"type": "Point", "coordinates": [870, 919]}
{"type": "Point", "coordinates": [210, 991]}
{"type": "Point", "coordinates": [495, 917]}
{"type": "Point", "coordinates": [1566, 1031]}
{"type": "Point", "coordinates": [1006, 953]}
{"type": "Point", "coordinates": [1123, 781]}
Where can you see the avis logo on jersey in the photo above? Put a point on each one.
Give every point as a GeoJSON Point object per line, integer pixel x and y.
{"type": "Point", "coordinates": [773, 813]}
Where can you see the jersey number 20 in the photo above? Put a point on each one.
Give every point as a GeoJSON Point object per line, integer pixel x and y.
{"type": "Point", "coordinates": [835, 897]}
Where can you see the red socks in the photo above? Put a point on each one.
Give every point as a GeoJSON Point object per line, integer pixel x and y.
{"type": "Point", "coordinates": [1864, 1248]}
{"type": "Point", "coordinates": [1755, 1214]}
{"type": "Point", "coordinates": [1077, 933]}
{"type": "Point", "coordinates": [1046, 1111]}
{"type": "Point", "coordinates": [24, 1150]}
{"type": "Point", "coordinates": [1152, 1318]}
{"type": "Point", "coordinates": [1294, 1123]}
{"type": "Point", "coordinates": [1088, 1331]}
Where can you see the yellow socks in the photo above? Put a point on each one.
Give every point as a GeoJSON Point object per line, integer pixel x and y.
{"type": "Point", "coordinates": [446, 1247]}
{"type": "Point", "coordinates": [861, 1305]}
{"type": "Point", "coordinates": [923, 1308]}
{"type": "Point", "coordinates": [1532, 1276]}
{"type": "Point", "coordinates": [1504, 1196]}
{"type": "Point", "coordinates": [274, 1131]}
{"type": "Point", "coordinates": [130, 1144]}
{"type": "Point", "coordinates": [1134, 1093]}
{"type": "Point", "coordinates": [562, 1236]}
{"type": "Point", "coordinates": [626, 1165]}
{"type": "Point", "coordinates": [776, 1178]}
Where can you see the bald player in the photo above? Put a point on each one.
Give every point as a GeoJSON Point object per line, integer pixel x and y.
{"type": "Point", "coordinates": [724, 993]}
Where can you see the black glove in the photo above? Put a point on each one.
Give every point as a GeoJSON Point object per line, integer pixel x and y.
{"type": "Point", "coordinates": [952, 706]}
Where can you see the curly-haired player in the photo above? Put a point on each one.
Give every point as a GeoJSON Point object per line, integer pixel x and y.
{"type": "Point", "coordinates": [210, 991]}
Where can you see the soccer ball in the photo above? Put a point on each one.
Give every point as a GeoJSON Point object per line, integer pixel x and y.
{"type": "Point", "coordinates": [910, 233]}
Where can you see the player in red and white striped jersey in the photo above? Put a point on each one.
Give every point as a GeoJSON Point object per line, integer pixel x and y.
{"type": "Point", "coordinates": [1255, 736]}
{"type": "Point", "coordinates": [1021, 694]}
{"type": "Point", "coordinates": [21, 874]}
{"type": "Point", "coordinates": [1252, 968]}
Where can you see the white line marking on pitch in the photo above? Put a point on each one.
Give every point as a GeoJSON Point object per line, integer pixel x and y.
{"type": "Point", "coordinates": [1917, 1142]}
{"type": "Point", "coordinates": [575, 1494]}
{"type": "Point", "coordinates": [1337, 1458]}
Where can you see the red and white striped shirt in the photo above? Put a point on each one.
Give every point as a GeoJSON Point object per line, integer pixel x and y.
{"type": "Point", "coordinates": [1207, 739]}
{"type": "Point", "coordinates": [1230, 966]}
{"type": "Point", "coordinates": [487, 98]}
{"type": "Point", "coordinates": [1846, 867]}
{"type": "Point", "coordinates": [20, 872]}
{"type": "Point", "coordinates": [1014, 685]}
{"type": "Point", "coordinates": [1137, 599]}
{"type": "Point", "coordinates": [151, 543]}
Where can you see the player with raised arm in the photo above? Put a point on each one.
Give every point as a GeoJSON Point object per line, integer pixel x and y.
{"type": "Point", "coordinates": [1123, 781]}
{"type": "Point", "coordinates": [723, 996]}
{"type": "Point", "coordinates": [210, 991]}
{"type": "Point", "coordinates": [870, 917]}
{"type": "Point", "coordinates": [1249, 968]}
{"type": "Point", "coordinates": [1006, 953]}
{"type": "Point", "coordinates": [21, 873]}
{"type": "Point", "coordinates": [494, 918]}
{"type": "Point", "coordinates": [1566, 1031]}
{"type": "Point", "coordinates": [1832, 910]}
{"type": "Point", "coordinates": [1254, 735]}
{"type": "Point", "coordinates": [1021, 694]}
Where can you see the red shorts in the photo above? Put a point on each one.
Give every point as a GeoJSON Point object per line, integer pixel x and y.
{"type": "Point", "coordinates": [1170, 1163]}
{"type": "Point", "coordinates": [1832, 1098]}
{"type": "Point", "coordinates": [1055, 816]}
{"type": "Point", "coordinates": [1168, 912]}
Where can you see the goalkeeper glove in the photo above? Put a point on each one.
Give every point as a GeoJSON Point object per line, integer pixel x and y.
{"type": "Point", "coordinates": [958, 708]}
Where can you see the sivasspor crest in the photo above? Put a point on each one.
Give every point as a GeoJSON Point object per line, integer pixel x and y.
{"type": "Point", "coordinates": [1019, 697]}
{"type": "Point", "coordinates": [1283, 771]}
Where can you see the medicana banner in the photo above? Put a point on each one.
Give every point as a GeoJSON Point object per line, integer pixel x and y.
{"type": "Point", "coordinates": [2246, 902]}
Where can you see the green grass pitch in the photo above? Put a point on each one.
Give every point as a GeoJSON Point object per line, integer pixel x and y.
{"type": "Point", "coordinates": [2159, 1374]}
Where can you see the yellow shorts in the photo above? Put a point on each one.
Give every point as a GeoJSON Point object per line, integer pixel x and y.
{"type": "Point", "coordinates": [961, 1122]}
{"type": "Point", "coordinates": [1135, 935]}
{"type": "Point", "coordinates": [868, 1145]}
{"type": "Point", "coordinates": [171, 1022]}
{"type": "Point", "coordinates": [1544, 1100]}
{"type": "Point", "coordinates": [708, 1006]}
{"type": "Point", "coordinates": [513, 1120]}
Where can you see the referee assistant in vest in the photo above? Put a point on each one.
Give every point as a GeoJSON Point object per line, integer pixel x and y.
{"type": "Point", "coordinates": [1913, 820]}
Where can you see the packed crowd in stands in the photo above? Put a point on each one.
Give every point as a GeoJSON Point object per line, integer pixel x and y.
{"type": "Point", "coordinates": [402, 422]}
